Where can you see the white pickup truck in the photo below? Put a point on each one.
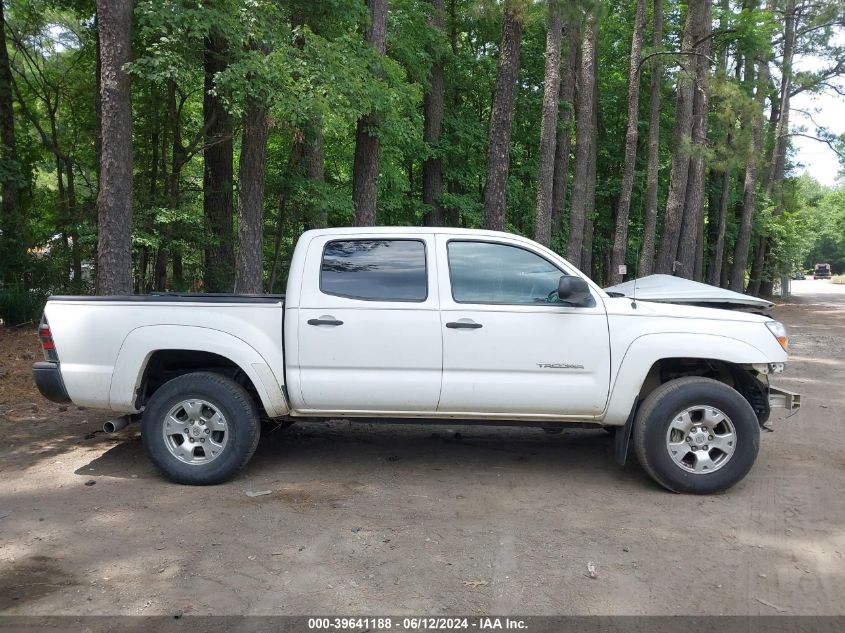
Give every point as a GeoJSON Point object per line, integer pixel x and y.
{"type": "Point", "coordinates": [425, 323]}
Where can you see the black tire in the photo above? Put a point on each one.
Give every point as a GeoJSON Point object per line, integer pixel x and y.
{"type": "Point", "coordinates": [226, 397]}
{"type": "Point", "coordinates": [661, 408]}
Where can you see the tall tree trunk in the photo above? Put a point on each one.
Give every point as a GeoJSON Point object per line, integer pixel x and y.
{"type": "Point", "coordinates": [141, 284]}
{"type": "Point", "coordinates": [501, 119]}
{"type": "Point", "coordinates": [719, 219]}
{"type": "Point", "coordinates": [778, 161]}
{"type": "Point", "coordinates": [218, 206]}
{"type": "Point", "coordinates": [761, 283]}
{"type": "Point", "coordinates": [173, 186]}
{"type": "Point", "coordinates": [761, 245]}
{"type": "Point", "coordinates": [67, 198]}
{"type": "Point", "coordinates": [698, 270]}
{"type": "Point", "coordinates": [98, 101]}
{"type": "Point", "coordinates": [646, 263]}
{"type": "Point", "coordinates": [584, 137]}
{"type": "Point", "coordinates": [689, 246]}
{"type": "Point", "coordinates": [548, 126]}
{"type": "Point", "coordinates": [719, 245]}
{"type": "Point", "coordinates": [749, 195]}
{"type": "Point", "coordinates": [366, 162]}
{"type": "Point", "coordinates": [452, 215]}
{"type": "Point", "coordinates": [586, 264]}
{"type": "Point", "coordinates": [277, 242]}
{"type": "Point", "coordinates": [563, 142]}
{"type": "Point", "coordinates": [298, 152]}
{"type": "Point", "coordinates": [714, 179]}
{"type": "Point", "coordinates": [73, 221]}
{"type": "Point", "coordinates": [620, 238]}
{"type": "Point", "coordinates": [668, 251]}
{"type": "Point", "coordinates": [315, 171]}
{"type": "Point", "coordinates": [758, 283]}
{"type": "Point", "coordinates": [757, 264]}
{"type": "Point", "coordinates": [432, 168]}
{"type": "Point", "coordinates": [12, 248]}
{"type": "Point", "coordinates": [724, 279]}
{"type": "Point", "coordinates": [155, 141]}
{"type": "Point", "coordinates": [64, 214]}
{"type": "Point", "coordinates": [309, 148]}
{"type": "Point", "coordinates": [249, 272]}
{"type": "Point", "coordinates": [365, 172]}
{"type": "Point", "coordinates": [114, 201]}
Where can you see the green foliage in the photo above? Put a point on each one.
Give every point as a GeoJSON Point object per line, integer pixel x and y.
{"type": "Point", "coordinates": [823, 212]}
{"type": "Point", "coordinates": [309, 65]}
{"type": "Point", "coordinates": [19, 304]}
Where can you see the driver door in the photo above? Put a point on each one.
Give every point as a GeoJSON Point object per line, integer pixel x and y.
{"type": "Point", "coordinates": [511, 348]}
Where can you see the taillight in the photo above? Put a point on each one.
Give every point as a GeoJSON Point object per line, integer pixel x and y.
{"type": "Point", "coordinates": [47, 344]}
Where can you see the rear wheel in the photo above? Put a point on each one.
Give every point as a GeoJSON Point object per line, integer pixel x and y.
{"type": "Point", "coordinates": [200, 428]}
{"type": "Point", "coordinates": [696, 435]}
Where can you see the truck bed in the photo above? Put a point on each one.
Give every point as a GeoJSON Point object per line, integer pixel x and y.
{"type": "Point", "coordinates": [176, 297]}
{"type": "Point", "coordinates": [105, 343]}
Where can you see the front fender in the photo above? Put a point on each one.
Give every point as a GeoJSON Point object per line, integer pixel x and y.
{"type": "Point", "coordinates": [646, 350]}
{"type": "Point", "coordinates": [140, 344]}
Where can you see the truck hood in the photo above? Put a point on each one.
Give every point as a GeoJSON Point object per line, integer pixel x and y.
{"type": "Point", "coordinates": [622, 306]}
{"type": "Point", "coordinates": [677, 290]}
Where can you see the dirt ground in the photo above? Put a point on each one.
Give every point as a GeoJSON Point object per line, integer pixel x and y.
{"type": "Point", "coordinates": [424, 520]}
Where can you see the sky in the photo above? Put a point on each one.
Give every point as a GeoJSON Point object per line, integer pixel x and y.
{"type": "Point", "coordinates": [827, 110]}
{"type": "Point", "coordinates": [818, 160]}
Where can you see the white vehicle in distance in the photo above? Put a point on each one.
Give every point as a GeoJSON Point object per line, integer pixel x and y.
{"type": "Point", "coordinates": [434, 324]}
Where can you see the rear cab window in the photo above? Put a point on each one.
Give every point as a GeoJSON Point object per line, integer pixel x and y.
{"type": "Point", "coordinates": [375, 270]}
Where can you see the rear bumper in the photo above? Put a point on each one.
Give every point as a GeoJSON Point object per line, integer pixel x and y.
{"type": "Point", "coordinates": [783, 399]}
{"type": "Point", "coordinates": [48, 379]}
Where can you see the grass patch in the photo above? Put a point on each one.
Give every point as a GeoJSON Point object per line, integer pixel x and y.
{"type": "Point", "coordinates": [838, 279]}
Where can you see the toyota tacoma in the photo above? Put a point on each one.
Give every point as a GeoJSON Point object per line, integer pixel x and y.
{"type": "Point", "coordinates": [431, 324]}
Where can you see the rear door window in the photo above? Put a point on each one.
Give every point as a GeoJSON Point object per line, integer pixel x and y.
{"type": "Point", "coordinates": [375, 270]}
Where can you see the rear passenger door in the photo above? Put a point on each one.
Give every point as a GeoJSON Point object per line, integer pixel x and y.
{"type": "Point", "coordinates": [369, 335]}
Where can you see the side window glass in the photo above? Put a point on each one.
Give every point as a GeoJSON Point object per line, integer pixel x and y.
{"type": "Point", "coordinates": [375, 270]}
{"type": "Point", "coordinates": [484, 272]}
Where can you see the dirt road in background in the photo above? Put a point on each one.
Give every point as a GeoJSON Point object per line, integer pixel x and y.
{"type": "Point", "coordinates": [424, 520]}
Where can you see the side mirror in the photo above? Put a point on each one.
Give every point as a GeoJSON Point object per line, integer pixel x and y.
{"type": "Point", "coordinates": [574, 290]}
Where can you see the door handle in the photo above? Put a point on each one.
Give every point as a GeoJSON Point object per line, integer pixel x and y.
{"type": "Point", "coordinates": [463, 325]}
{"type": "Point", "coordinates": [325, 321]}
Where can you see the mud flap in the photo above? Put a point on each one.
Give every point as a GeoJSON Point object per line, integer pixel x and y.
{"type": "Point", "coordinates": [623, 435]}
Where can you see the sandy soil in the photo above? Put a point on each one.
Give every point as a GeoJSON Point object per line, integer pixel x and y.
{"type": "Point", "coordinates": [411, 520]}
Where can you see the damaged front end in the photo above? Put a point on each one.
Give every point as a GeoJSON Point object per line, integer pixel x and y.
{"type": "Point", "coordinates": [757, 389]}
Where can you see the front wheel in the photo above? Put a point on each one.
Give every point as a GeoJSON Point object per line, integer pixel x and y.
{"type": "Point", "coordinates": [200, 428]}
{"type": "Point", "coordinates": [696, 435]}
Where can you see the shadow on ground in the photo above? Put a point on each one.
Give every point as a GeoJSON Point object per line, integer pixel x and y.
{"type": "Point", "coordinates": [403, 448]}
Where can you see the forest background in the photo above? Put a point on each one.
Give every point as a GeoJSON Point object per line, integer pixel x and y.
{"type": "Point", "coordinates": [185, 145]}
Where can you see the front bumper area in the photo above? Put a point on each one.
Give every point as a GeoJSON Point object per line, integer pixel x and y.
{"type": "Point", "coordinates": [48, 379]}
{"type": "Point", "coordinates": [783, 399]}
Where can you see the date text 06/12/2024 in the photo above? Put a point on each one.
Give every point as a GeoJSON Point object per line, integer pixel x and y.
{"type": "Point", "coordinates": [416, 623]}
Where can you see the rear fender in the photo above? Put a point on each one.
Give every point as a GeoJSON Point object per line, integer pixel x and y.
{"type": "Point", "coordinates": [140, 344]}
